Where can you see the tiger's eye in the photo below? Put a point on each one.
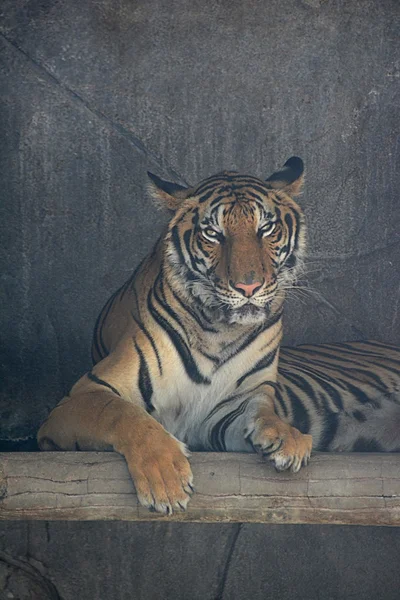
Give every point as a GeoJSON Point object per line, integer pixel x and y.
{"type": "Point", "coordinates": [267, 229]}
{"type": "Point", "coordinates": [211, 234]}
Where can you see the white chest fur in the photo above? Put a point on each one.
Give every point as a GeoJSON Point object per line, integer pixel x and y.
{"type": "Point", "coordinates": [182, 405]}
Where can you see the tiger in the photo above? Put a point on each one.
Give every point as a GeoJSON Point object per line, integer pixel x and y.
{"type": "Point", "coordinates": [186, 352]}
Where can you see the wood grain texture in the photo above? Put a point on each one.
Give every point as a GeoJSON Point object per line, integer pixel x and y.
{"type": "Point", "coordinates": [362, 489]}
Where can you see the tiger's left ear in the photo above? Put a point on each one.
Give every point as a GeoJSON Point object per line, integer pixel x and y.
{"type": "Point", "coordinates": [290, 178]}
{"type": "Point", "coordinates": [166, 194]}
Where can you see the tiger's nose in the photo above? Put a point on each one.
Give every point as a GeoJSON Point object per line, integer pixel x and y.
{"type": "Point", "coordinates": [247, 290]}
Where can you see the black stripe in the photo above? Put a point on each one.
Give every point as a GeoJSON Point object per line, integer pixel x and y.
{"type": "Point", "coordinates": [367, 445]}
{"type": "Point", "coordinates": [348, 350]}
{"type": "Point", "coordinates": [216, 360]}
{"type": "Point", "coordinates": [300, 418]}
{"type": "Point", "coordinates": [211, 182]}
{"type": "Point", "coordinates": [357, 392]}
{"type": "Point", "coordinates": [291, 262]}
{"type": "Point", "coordinates": [151, 340]}
{"type": "Point", "coordinates": [200, 244]}
{"type": "Point", "coordinates": [264, 191]}
{"type": "Point", "coordinates": [162, 301]}
{"type": "Point", "coordinates": [373, 353]}
{"type": "Point", "coordinates": [331, 424]}
{"type": "Point", "coordinates": [97, 337]}
{"type": "Point", "coordinates": [260, 201]}
{"type": "Point", "coordinates": [233, 184]}
{"type": "Point", "coordinates": [359, 416]}
{"type": "Point", "coordinates": [191, 312]}
{"type": "Point", "coordinates": [95, 347]}
{"type": "Point", "coordinates": [289, 223]}
{"type": "Point", "coordinates": [180, 345]}
{"type": "Point", "coordinates": [263, 363]}
{"type": "Point", "coordinates": [351, 372]}
{"type": "Point", "coordinates": [303, 384]}
{"type": "Point", "coordinates": [177, 244]}
{"type": "Point", "coordinates": [356, 356]}
{"type": "Point", "coordinates": [298, 226]}
{"type": "Point", "coordinates": [228, 422]}
{"type": "Point", "coordinates": [278, 399]}
{"type": "Point", "coordinates": [98, 329]}
{"type": "Point", "coordinates": [103, 315]}
{"type": "Point", "coordinates": [217, 434]}
{"type": "Point", "coordinates": [219, 406]}
{"type": "Point", "coordinates": [222, 403]}
{"type": "Point", "coordinates": [298, 363]}
{"type": "Point", "coordinates": [250, 338]}
{"type": "Point", "coordinates": [96, 379]}
{"type": "Point", "coordinates": [216, 201]}
{"type": "Point", "coordinates": [381, 345]}
{"type": "Point", "coordinates": [362, 397]}
{"type": "Point", "coordinates": [187, 239]}
{"type": "Point", "coordinates": [206, 196]}
{"type": "Point", "coordinates": [145, 386]}
{"type": "Point", "coordinates": [195, 217]}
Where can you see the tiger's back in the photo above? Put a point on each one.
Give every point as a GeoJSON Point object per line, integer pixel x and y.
{"type": "Point", "coordinates": [346, 395]}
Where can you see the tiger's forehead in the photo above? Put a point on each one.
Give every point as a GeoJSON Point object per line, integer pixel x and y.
{"type": "Point", "coordinates": [232, 194]}
{"type": "Point", "coordinates": [227, 183]}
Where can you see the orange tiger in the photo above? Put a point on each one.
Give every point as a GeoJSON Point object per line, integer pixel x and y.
{"type": "Point", "coordinates": [186, 351]}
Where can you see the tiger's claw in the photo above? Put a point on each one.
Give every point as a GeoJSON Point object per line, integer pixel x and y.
{"type": "Point", "coordinates": [284, 445]}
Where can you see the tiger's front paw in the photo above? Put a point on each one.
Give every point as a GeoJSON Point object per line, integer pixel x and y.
{"type": "Point", "coordinates": [285, 446]}
{"type": "Point", "coordinates": [161, 473]}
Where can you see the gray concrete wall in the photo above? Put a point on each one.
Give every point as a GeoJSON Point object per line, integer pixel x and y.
{"type": "Point", "coordinates": [148, 561]}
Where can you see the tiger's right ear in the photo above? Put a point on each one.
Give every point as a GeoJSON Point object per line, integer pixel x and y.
{"type": "Point", "coordinates": [166, 194]}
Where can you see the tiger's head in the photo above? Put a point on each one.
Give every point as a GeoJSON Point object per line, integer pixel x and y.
{"type": "Point", "coordinates": [235, 242]}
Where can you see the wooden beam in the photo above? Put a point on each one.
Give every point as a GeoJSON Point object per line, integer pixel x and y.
{"type": "Point", "coordinates": [357, 489]}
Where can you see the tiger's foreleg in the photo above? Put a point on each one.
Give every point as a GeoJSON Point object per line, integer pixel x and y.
{"type": "Point", "coordinates": [249, 421]}
{"type": "Point", "coordinates": [98, 419]}
{"type": "Point", "coordinates": [284, 445]}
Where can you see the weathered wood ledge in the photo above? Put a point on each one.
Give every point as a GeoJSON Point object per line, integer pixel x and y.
{"type": "Point", "coordinates": [356, 489]}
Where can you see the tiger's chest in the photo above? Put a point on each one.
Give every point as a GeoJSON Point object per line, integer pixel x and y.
{"type": "Point", "coordinates": [190, 388]}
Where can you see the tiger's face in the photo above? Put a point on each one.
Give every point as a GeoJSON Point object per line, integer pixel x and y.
{"type": "Point", "coordinates": [236, 242]}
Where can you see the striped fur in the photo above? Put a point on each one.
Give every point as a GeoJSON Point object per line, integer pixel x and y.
{"type": "Point", "coordinates": [186, 351]}
{"type": "Point", "coordinates": [346, 395]}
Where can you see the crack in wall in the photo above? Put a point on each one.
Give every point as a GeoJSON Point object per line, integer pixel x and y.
{"type": "Point", "coordinates": [132, 139]}
{"type": "Point", "coordinates": [225, 573]}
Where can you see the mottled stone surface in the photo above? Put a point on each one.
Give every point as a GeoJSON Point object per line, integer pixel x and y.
{"type": "Point", "coordinates": [95, 93]}
{"type": "Point", "coordinates": [147, 561]}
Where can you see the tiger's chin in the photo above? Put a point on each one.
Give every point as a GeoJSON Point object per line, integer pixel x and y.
{"type": "Point", "coordinates": [249, 314]}
{"type": "Point", "coordinates": [219, 312]}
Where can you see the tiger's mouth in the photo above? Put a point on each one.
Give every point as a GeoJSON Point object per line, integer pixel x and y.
{"type": "Point", "coordinates": [220, 309]}
{"type": "Point", "coordinates": [248, 314]}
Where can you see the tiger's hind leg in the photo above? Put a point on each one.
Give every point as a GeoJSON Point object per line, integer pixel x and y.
{"type": "Point", "coordinates": [369, 428]}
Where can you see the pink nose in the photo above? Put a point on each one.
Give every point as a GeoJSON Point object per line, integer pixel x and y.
{"type": "Point", "coordinates": [248, 290]}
